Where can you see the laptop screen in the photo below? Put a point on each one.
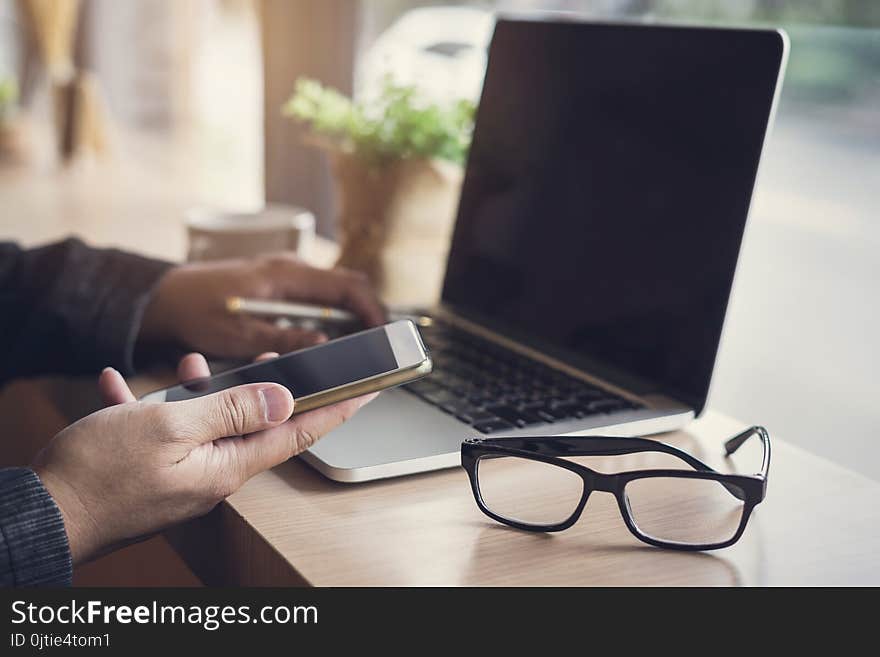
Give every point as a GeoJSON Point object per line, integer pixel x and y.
{"type": "Point", "coordinates": [607, 190]}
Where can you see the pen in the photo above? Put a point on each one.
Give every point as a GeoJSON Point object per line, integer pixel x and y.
{"type": "Point", "coordinates": [291, 309]}
{"type": "Point", "coordinates": [286, 309]}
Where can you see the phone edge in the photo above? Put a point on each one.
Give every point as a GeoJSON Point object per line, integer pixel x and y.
{"type": "Point", "coordinates": [158, 396]}
{"type": "Point", "coordinates": [375, 383]}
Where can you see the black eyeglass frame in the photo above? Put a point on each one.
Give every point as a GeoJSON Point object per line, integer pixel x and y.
{"type": "Point", "coordinates": [750, 489]}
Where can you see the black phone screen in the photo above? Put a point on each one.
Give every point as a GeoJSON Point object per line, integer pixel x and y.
{"type": "Point", "coordinates": [306, 372]}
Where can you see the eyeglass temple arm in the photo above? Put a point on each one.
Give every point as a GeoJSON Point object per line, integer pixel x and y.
{"type": "Point", "coordinates": [618, 446]}
{"type": "Point", "coordinates": [737, 441]}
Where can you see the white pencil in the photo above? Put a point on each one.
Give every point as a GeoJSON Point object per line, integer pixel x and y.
{"type": "Point", "coordinates": [291, 309]}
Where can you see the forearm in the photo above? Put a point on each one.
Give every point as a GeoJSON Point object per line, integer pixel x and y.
{"type": "Point", "coordinates": [69, 308]}
{"type": "Point", "coordinates": [34, 549]}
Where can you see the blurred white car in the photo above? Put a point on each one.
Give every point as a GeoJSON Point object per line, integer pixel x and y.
{"type": "Point", "coordinates": [439, 50]}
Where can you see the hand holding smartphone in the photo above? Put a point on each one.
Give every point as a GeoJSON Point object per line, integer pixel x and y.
{"type": "Point", "coordinates": [354, 365]}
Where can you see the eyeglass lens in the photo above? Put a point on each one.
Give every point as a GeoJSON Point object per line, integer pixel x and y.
{"type": "Point", "coordinates": [528, 491]}
{"type": "Point", "coordinates": [670, 509]}
{"type": "Point", "coordinates": [684, 510]}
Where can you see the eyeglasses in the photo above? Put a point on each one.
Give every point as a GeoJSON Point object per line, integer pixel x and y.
{"type": "Point", "coordinates": [523, 482]}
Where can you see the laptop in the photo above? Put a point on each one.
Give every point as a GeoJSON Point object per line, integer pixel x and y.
{"type": "Point", "coordinates": [600, 221]}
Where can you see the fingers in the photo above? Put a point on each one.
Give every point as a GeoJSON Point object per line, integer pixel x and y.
{"type": "Point", "coordinates": [233, 412]}
{"type": "Point", "coordinates": [114, 389]}
{"type": "Point", "coordinates": [291, 339]}
{"type": "Point", "coordinates": [335, 287]}
{"type": "Point", "coordinates": [264, 450]}
{"type": "Point", "coordinates": [359, 296]}
{"type": "Point", "coordinates": [348, 289]}
{"type": "Point", "coordinates": [192, 366]}
{"type": "Point", "coordinates": [263, 335]}
{"type": "Point", "coordinates": [267, 355]}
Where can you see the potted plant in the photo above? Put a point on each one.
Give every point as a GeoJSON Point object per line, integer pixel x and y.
{"type": "Point", "coordinates": [398, 167]}
{"type": "Point", "coordinates": [10, 146]}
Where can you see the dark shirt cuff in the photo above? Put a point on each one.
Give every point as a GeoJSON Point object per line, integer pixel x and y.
{"type": "Point", "coordinates": [66, 308]}
{"type": "Point", "coordinates": [33, 542]}
{"type": "Point", "coordinates": [119, 324]}
{"type": "Point", "coordinates": [117, 286]}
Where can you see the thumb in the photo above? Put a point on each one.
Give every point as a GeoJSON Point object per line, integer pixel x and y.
{"type": "Point", "coordinates": [233, 412]}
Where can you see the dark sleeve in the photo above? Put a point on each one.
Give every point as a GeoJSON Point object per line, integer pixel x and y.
{"type": "Point", "coordinates": [67, 308]}
{"type": "Point", "coordinates": [33, 542]}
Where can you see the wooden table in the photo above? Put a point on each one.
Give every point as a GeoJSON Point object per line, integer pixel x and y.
{"type": "Point", "coordinates": [820, 523]}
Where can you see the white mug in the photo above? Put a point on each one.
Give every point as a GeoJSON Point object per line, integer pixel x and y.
{"type": "Point", "coordinates": [218, 234]}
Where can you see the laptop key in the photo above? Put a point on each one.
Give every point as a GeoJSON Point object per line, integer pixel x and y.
{"type": "Point", "coordinates": [448, 380]}
{"type": "Point", "coordinates": [552, 413]}
{"type": "Point", "coordinates": [475, 417]}
{"type": "Point", "coordinates": [438, 397]}
{"type": "Point", "coordinates": [587, 395]}
{"type": "Point", "coordinates": [576, 411]}
{"type": "Point", "coordinates": [520, 418]}
{"type": "Point", "coordinates": [492, 425]}
{"type": "Point", "coordinates": [458, 407]}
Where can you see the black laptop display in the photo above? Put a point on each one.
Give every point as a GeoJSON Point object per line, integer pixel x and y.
{"type": "Point", "coordinates": [607, 191]}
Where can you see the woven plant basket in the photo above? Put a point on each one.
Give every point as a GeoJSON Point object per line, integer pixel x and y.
{"type": "Point", "coordinates": [395, 223]}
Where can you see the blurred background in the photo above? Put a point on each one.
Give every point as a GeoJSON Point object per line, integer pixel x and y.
{"type": "Point", "coordinates": [185, 102]}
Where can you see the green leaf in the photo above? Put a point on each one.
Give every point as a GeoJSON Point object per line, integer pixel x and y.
{"type": "Point", "coordinates": [8, 94]}
{"type": "Point", "coordinates": [395, 125]}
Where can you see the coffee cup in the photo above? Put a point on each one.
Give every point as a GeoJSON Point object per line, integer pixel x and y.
{"type": "Point", "coordinates": [220, 234]}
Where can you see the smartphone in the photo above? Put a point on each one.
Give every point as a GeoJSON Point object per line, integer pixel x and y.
{"type": "Point", "coordinates": [347, 367]}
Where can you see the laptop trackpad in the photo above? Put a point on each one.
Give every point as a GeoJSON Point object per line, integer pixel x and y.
{"type": "Point", "coordinates": [396, 426]}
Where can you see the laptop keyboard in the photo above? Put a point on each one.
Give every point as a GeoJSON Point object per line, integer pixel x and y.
{"type": "Point", "coordinates": [493, 388]}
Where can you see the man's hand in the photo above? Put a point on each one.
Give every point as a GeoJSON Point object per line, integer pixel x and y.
{"type": "Point", "coordinates": [189, 304]}
{"type": "Point", "coordinates": [132, 469]}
